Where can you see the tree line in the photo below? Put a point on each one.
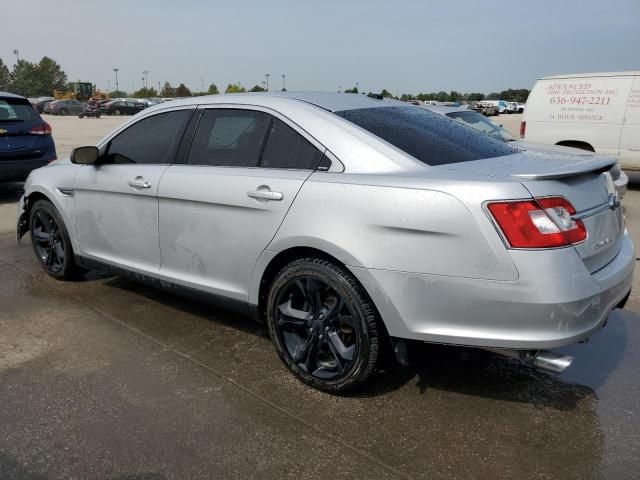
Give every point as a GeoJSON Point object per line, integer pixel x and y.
{"type": "Point", "coordinates": [41, 79]}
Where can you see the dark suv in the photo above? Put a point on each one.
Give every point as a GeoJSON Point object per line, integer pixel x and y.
{"type": "Point", "coordinates": [25, 139]}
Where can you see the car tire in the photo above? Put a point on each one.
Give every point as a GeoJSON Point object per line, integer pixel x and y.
{"type": "Point", "coordinates": [323, 325]}
{"type": "Point", "coordinates": [116, 112]}
{"type": "Point", "coordinates": [64, 111]}
{"type": "Point", "coordinates": [51, 243]}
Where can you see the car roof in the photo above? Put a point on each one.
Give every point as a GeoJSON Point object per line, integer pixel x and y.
{"type": "Point", "coordinates": [330, 101]}
{"type": "Point", "coordinates": [598, 74]}
{"type": "Point", "coordinates": [11, 95]}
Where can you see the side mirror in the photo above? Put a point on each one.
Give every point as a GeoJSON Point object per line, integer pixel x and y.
{"type": "Point", "coordinates": [85, 155]}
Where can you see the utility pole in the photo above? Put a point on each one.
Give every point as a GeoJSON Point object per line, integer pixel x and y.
{"type": "Point", "coordinates": [284, 89]}
{"type": "Point", "coordinates": [267, 75]}
{"type": "Point", "coordinates": [117, 86]}
{"type": "Point", "coordinates": [17, 54]}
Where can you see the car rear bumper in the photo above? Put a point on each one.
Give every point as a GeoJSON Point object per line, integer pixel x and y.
{"type": "Point", "coordinates": [18, 170]}
{"type": "Point", "coordinates": [537, 311]}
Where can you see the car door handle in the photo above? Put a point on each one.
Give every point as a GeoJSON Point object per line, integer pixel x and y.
{"type": "Point", "coordinates": [266, 195]}
{"type": "Point", "coordinates": [139, 182]}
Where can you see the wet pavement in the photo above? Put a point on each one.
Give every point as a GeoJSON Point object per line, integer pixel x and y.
{"type": "Point", "coordinates": [106, 379]}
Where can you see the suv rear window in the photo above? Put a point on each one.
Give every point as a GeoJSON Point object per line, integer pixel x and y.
{"type": "Point", "coordinates": [16, 110]}
{"type": "Point", "coordinates": [430, 137]}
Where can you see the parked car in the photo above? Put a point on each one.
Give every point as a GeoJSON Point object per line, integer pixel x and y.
{"type": "Point", "coordinates": [42, 102]}
{"type": "Point", "coordinates": [348, 224]}
{"type": "Point", "coordinates": [64, 107]}
{"type": "Point", "coordinates": [501, 105]}
{"type": "Point", "coordinates": [599, 112]}
{"type": "Point", "coordinates": [122, 107]}
{"type": "Point", "coordinates": [479, 122]}
{"type": "Point", "coordinates": [485, 108]}
{"type": "Point", "coordinates": [25, 139]}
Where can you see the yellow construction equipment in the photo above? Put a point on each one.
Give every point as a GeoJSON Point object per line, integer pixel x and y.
{"type": "Point", "coordinates": [82, 91]}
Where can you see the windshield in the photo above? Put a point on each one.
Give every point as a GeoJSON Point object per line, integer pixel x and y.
{"type": "Point", "coordinates": [483, 124]}
{"type": "Point", "coordinates": [430, 137]}
{"type": "Point", "coordinates": [16, 110]}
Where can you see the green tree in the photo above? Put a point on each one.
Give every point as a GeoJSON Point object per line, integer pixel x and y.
{"type": "Point", "coordinates": [405, 97]}
{"type": "Point", "coordinates": [213, 89]}
{"type": "Point", "coordinates": [515, 95]}
{"type": "Point", "coordinates": [145, 93]}
{"type": "Point", "coordinates": [493, 96]}
{"type": "Point", "coordinates": [49, 76]}
{"type": "Point", "coordinates": [258, 88]}
{"type": "Point", "coordinates": [351, 90]}
{"type": "Point", "coordinates": [183, 91]}
{"type": "Point", "coordinates": [24, 79]}
{"type": "Point", "coordinates": [167, 90]}
{"type": "Point", "coordinates": [235, 88]}
{"type": "Point", "coordinates": [118, 94]}
{"type": "Point", "coordinates": [454, 96]}
{"type": "Point", "coordinates": [5, 77]}
{"type": "Point", "coordinates": [386, 94]}
{"type": "Point", "coordinates": [476, 97]}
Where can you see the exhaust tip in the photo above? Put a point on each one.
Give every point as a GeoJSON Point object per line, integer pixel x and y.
{"type": "Point", "coordinates": [552, 362]}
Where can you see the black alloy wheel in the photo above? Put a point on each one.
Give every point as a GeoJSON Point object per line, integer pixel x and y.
{"type": "Point", "coordinates": [323, 325]}
{"type": "Point", "coordinates": [51, 242]}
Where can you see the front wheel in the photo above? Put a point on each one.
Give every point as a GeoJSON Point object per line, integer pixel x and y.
{"type": "Point", "coordinates": [51, 242]}
{"type": "Point", "coordinates": [63, 111]}
{"type": "Point", "coordinates": [323, 325]}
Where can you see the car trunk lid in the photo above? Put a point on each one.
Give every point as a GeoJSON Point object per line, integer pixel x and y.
{"type": "Point", "coordinates": [583, 181]}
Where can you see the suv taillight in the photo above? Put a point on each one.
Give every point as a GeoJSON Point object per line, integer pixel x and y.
{"type": "Point", "coordinates": [523, 129]}
{"type": "Point", "coordinates": [538, 223]}
{"type": "Point", "coordinates": [43, 129]}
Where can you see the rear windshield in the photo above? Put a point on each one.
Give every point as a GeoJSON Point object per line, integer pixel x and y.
{"type": "Point", "coordinates": [430, 137]}
{"type": "Point", "coordinates": [16, 110]}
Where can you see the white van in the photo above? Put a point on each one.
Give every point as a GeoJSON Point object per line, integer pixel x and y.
{"type": "Point", "coordinates": [593, 111]}
{"type": "Point", "coordinates": [501, 105]}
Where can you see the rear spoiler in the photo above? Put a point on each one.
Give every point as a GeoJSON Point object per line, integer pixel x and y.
{"type": "Point", "coordinates": [590, 165]}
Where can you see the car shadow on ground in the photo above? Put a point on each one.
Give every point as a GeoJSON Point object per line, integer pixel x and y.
{"type": "Point", "coordinates": [463, 370]}
{"type": "Point", "coordinates": [11, 192]}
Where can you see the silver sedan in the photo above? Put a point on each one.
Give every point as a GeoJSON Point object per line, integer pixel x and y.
{"type": "Point", "coordinates": [348, 224]}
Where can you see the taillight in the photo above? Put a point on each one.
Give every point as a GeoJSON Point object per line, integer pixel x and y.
{"type": "Point", "coordinates": [43, 129]}
{"type": "Point", "coordinates": [538, 223]}
{"type": "Point", "coordinates": [523, 129]}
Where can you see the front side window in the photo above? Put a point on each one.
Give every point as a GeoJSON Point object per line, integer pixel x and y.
{"type": "Point", "coordinates": [229, 138]}
{"type": "Point", "coordinates": [152, 140]}
{"type": "Point", "coordinates": [429, 137]}
{"type": "Point", "coordinates": [286, 148]}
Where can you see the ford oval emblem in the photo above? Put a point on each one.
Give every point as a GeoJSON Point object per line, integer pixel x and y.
{"type": "Point", "coordinates": [614, 201]}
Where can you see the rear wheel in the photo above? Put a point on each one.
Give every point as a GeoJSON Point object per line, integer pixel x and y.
{"type": "Point", "coordinates": [116, 112]}
{"type": "Point", "coordinates": [64, 111]}
{"type": "Point", "coordinates": [51, 242]}
{"type": "Point", "coordinates": [323, 325]}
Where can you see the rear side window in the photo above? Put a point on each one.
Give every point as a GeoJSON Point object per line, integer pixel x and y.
{"type": "Point", "coordinates": [229, 138]}
{"type": "Point", "coordinates": [286, 148]}
{"type": "Point", "coordinates": [16, 110]}
{"type": "Point", "coordinates": [429, 137]}
{"type": "Point", "coordinates": [152, 140]}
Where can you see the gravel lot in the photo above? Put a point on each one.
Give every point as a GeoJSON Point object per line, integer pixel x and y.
{"type": "Point", "coordinates": [107, 379]}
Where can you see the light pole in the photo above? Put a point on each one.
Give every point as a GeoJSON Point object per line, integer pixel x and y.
{"type": "Point", "coordinates": [284, 89]}
{"type": "Point", "coordinates": [17, 54]}
{"type": "Point", "coordinates": [145, 73]}
{"type": "Point", "coordinates": [267, 75]}
{"type": "Point", "coordinates": [117, 86]}
{"type": "Point", "coordinates": [202, 84]}
{"type": "Point", "coordinates": [158, 88]}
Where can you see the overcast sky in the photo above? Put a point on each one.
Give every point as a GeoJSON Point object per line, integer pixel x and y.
{"type": "Point", "coordinates": [406, 46]}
